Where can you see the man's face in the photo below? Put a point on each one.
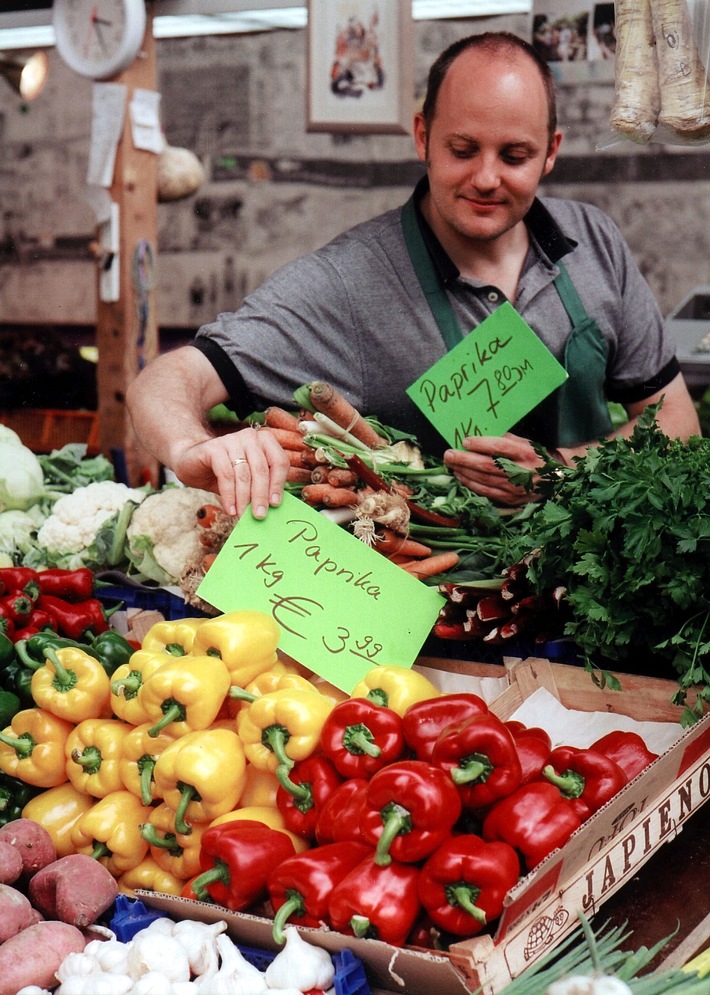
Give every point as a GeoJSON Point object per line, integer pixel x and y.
{"type": "Point", "coordinates": [488, 146]}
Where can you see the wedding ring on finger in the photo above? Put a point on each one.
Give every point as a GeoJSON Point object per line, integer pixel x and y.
{"type": "Point", "coordinates": [240, 459]}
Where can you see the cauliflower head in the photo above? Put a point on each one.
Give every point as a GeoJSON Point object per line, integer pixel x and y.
{"type": "Point", "coordinates": [69, 535]}
{"type": "Point", "coordinates": [163, 535]}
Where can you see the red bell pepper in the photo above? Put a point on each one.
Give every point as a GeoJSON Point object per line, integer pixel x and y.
{"type": "Point", "coordinates": [7, 626]}
{"type": "Point", "coordinates": [19, 580]}
{"type": "Point", "coordinates": [535, 820]}
{"type": "Point", "coordinates": [303, 792]}
{"type": "Point", "coordinates": [71, 585]}
{"type": "Point", "coordinates": [301, 886]}
{"type": "Point", "coordinates": [18, 608]}
{"type": "Point", "coordinates": [425, 720]}
{"type": "Point", "coordinates": [411, 809]}
{"type": "Point", "coordinates": [534, 747]}
{"type": "Point", "coordinates": [341, 816]}
{"type": "Point", "coordinates": [587, 778]}
{"type": "Point", "coordinates": [360, 737]}
{"type": "Point", "coordinates": [628, 750]}
{"type": "Point", "coordinates": [463, 884]}
{"type": "Point", "coordinates": [376, 902]}
{"type": "Point", "coordinates": [236, 859]}
{"type": "Point", "coordinates": [479, 755]}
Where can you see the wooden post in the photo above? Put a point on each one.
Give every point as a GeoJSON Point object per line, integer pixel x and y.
{"type": "Point", "coordinates": [127, 329]}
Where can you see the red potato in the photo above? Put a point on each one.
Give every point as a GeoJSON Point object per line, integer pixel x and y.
{"type": "Point", "coordinates": [33, 956]}
{"type": "Point", "coordinates": [75, 889]}
{"type": "Point", "coordinates": [16, 912]}
{"type": "Point", "coordinates": [32, 842]}
{"type": "Point", "coordinates": [10, 863]}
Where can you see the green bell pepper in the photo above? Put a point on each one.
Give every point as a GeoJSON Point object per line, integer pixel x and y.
{"type": "Point", "coordinates": [9, 707]}
{"type": "Point", "coordinates": [17, 678]}
{"type": "Point", "coordinates": [14, 795]}
{"type": "Point", "coordinates": [109, 648]}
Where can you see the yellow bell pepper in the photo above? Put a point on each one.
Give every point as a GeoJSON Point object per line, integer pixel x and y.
{"type": "Point", "coordinates": [175, 638]}
{"type": "Point", "coordinates": [260, 788]}
{"type": "Point", "coordinates": [72, 685]}
{"type": "Point", "coordinates": [282, 727]}
{"type": "Point", "coordinates": [271, 817]}
{"type": "Point", "coordinates": [329, 690]}
{"type": "Point", "coordinates": [138, 756]}
{"type": "Point", "coordinates": [111, 832]}
{"type": "Point", "coordinates": [186, 693]}
{"type": "Point", "coordinates": [266, 683]}
{"type": "Point", "coordinates": [127, 681]}
{"type": "Point", "coordinates": [58, 810]}
{"type": "Point", "coordinates": [201, 775]}
{"type": "Point", "coordinates": [178, 853]}
{"type": "Point", "coordinates": [32, 748]}
{"type": "Point", "coordinates": [148, 876]}
{"type": "Point", "coordinates": [93, 750]}
{"type": "Point", "coordinates": [245, 640]}
{"type": "Point", "coordinates": [395, 687]}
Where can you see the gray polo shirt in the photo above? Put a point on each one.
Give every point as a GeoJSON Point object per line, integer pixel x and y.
{"type": "Point", "coordinates": [353, 313]}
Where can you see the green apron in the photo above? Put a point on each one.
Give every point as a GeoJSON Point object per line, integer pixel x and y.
{"type": "Point", "coordinates": [577, 411]}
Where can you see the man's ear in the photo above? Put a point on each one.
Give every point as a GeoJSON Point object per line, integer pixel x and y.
{"type": "Point", "coordinates": [419, 131]}
{"type": "Point", "coordinates": [552, 153]}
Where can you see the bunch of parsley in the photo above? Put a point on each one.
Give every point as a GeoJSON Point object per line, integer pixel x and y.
{"type": "Point", "coordinates": [627, 530]}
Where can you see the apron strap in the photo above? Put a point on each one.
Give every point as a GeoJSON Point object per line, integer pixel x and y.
{"type": "Point", "coordinates": [569, 296]}
{"type": "Point", "coordinates": [428, 278]}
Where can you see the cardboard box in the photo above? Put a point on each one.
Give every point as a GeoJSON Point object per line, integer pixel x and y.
{"type": "Point", "coordinates": [541, 910]}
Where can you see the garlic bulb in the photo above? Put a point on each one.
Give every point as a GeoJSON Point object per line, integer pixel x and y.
{"type": "Point", "coordinates": [300, 964]}
{"type": "Point", "coordinates": [153, 950]}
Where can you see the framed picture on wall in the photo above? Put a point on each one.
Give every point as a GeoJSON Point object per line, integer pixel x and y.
{"type": "Point", "coordinates": [360, 74]}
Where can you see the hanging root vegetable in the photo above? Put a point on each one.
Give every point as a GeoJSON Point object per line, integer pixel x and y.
{"type": "Point", "coordinates": [637, 99]}
{"type": "Point", "coordinates": [685, 97]}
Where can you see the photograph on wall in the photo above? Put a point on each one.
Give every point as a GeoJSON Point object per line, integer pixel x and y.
{"type": "Point", "coordinates": [576, 37]}
{"type": "Point", "coordinates": [360, 66]}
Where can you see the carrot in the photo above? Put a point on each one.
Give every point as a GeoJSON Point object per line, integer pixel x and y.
{"type": "Point", "coordinates": [331, 497]}
{"type": "Point", "coordinates": [330, 402]}
{"type": "Point", "coordinates": [338, 477]}
{"type": "Point", "coordinates": [276, 417]}
{"type": "Point", "coordinates": [391, 543]}
{"type": "Point", "coordinates": [295, 458]}
{"type": "Point", "coordinates": [287, 439]}
{"type": "Point", "coordinates": [207, 514]}
{"type": "Point", "coordinates": [319, 474]}
{"type": "Point", "coordinates": [437, 563]}
{"type": "Point", "coordinates": [298, 475]}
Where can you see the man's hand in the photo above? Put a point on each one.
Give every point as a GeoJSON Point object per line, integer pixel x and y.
{"type": "Point", "coordinates": [245, 467]}
{"type": "Point", "coordinates": [476, 469]}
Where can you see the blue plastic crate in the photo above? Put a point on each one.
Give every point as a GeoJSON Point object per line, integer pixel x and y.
{"type": "Point", "coordinates": [130, 916]}
{"type": "Point", "coordinates": [170, 605]}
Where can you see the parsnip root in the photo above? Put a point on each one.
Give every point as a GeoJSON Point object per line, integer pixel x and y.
{"type": "Point", "coordinates": [685, 94]}
{"type": "Point", "coordinates": [637, 97]}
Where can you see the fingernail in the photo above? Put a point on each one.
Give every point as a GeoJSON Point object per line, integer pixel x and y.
{"type": "Point", "coordinates": [260, 511]}
{"type": "Point", "coordinates": [275, 499]}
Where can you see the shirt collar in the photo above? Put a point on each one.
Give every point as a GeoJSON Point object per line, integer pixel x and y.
{"type": "Point", "coordinates": [541, 225]}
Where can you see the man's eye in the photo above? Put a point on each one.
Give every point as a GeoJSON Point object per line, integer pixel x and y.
{"type": "Point", "coordinates": [515, 158]}
{"type": "Point", "coordinates": [463, 153]}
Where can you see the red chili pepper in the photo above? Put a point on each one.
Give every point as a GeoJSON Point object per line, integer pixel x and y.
{"type": "Point", "coordinates": [480, 757]}
{"type": "Point", "coordinates": [463, 884]}
{"type": "Point", "coordinates": [19, 580]}
{"type": "Point", "coordinates": [587, 778]}
{"type": "Point", "coordinates": [534, 747]}
{"type": "Point", "coordinates": [535, 820]}
{"type": "Point", "coordinates": [303, 792]}
{"type": "Point", "coordinates": [236, 859]}
{"type": "Point", "coordinates": [376, 902]}
{"type": "Point", "coordinates": [411, 809]}
{"type": "Point", "coordinates": [18, 608]}
{"type": "Point", "coordinates": [301, 886]}
{"type": "Point", "coordinates": [41, 620]}
{"type": "Point", "coordinates": [424, 721]}
{"type": "Point", "coordinates": [360, 737]}
{"type": "Point", "coordinates": [72, 585]}
{"type": "Point", "coordinates": [76, 620]}
{"type": "Point", "coordinates": [628, 750]}
{"type": "Point", "coordinates": [341, 816]}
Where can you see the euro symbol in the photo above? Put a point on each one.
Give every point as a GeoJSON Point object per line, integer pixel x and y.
{"type": "Point", "coordinates": [301, 607]}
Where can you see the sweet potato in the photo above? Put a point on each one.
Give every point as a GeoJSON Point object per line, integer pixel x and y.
{"type": "Point", "coordinates": [32, 956]}
{"type": "Point", "coordinates": [75, 889]}
{"type": "Point", "coordinates": [32, 842]}
{"type": "Point", "coordinates": [10, 863]}
{"type": "Point", "coordinates": [16, 912]}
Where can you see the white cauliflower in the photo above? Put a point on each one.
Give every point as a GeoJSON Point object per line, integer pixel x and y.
{"type": "Point", "coordinates": [164, 535]}
{"type": "Point", "coordinates": [79, 532]}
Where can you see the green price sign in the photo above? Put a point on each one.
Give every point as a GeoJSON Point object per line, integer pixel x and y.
{"type": "Point", "coordinates": [489, 381]}
{"type": "Point", "coordinates": [342, 608]}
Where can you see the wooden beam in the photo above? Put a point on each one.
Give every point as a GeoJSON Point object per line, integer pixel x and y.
{"type": "Point", "coordinates": [127, 329]}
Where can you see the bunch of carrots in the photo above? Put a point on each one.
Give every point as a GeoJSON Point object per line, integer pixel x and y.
{"type": "Point", "coordinates": [323, 485]}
